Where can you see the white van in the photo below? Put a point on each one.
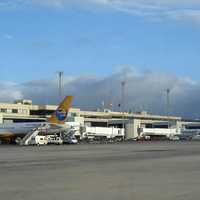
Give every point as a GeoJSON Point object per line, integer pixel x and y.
{"type": "Point", "coordinates": [41, 140]}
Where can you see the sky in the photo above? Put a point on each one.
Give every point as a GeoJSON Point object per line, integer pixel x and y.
{"type": "Point", "coordinates": [153, 44]}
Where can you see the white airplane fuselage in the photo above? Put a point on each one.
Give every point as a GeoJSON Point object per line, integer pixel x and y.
{"type": "Point", "coordinates": [21, 129]}
{"type": "Point", "coordinates": [17, 129]}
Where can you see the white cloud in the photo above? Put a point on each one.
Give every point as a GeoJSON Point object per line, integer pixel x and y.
{"type": "Point", "coordinates": [9, 91]}
{"type": "Point", "coordinates": [185, 15]}
{"type": "Point", "coordinates": [156, 9]}
{"type": "Point", "coordinates": [144, 90]}
{"type": "Point", "coordinates": [8, 36]}
{"type": "Point", "coordinates": [12, 4]}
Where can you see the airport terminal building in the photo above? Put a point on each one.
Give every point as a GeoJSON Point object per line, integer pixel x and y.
{"type": "Point", "coordinates": [25, 111]}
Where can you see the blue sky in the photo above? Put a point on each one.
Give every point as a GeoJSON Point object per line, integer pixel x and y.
{"type": "Point", "coordinates": [153, 43]}
{"type": "Point", "coordinates": [38, 40]}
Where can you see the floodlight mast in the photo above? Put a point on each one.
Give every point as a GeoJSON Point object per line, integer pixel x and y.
{"type": "Point", "coordinates": [168, 106]}
{"type": "Point", "coordinates": [123, 84]}
{"type": "Point", "coordinates": [60, 84]}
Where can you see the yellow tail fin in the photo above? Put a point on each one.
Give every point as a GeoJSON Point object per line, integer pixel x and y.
{"type": "Point", "coordinates": [60, 115]}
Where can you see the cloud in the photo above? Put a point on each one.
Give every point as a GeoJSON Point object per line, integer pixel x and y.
{"type": "Point", "coordinates": [185, 15]}
{"type": "Point", "coordinates": [12, 4]}
{"type": "Point", "coordinates": [181, 10]}
{"type": "Point", "coordinates": [8, 36]}
{"type": "Point", "coordinates": [144, 91]}
{"type": "Point", "coordinates": [9, 91]}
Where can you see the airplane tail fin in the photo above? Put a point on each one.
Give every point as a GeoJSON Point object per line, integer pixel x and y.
{"type": "Point", "coordinates": [60, 115]}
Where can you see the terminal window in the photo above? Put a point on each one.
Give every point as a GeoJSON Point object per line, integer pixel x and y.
{"type": "Point", "coordinates": [14, 111]}
{"type": "Point", "coordinates": [3, 110]}
{"type": "Point", "coordinates": [71, 114]}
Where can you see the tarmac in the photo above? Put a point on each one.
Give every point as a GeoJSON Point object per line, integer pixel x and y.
{"type": "Point", "coordinates": [133, 171]}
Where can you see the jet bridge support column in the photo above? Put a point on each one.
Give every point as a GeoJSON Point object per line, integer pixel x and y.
{"type": "Point", "coordinates": [178, 127]}
{"type": "Point", "coordinates": [132, 128]}
{"type": "Point", "coordinates": [1, 118]}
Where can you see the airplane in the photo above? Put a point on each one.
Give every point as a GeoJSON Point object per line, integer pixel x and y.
{"type": "Point", "coordinates": [10, 132]}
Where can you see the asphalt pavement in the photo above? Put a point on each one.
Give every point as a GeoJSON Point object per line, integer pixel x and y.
{"type": "Point", "coordinates": [133, 171]}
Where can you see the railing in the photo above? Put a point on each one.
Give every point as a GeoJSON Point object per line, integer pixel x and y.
{"type": "Point", "coordinates": [27, 138]}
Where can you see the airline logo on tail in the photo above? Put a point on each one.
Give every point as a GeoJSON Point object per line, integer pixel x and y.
{"type": "Point", "coordinates": [61, 112]}
{"type": "Point", "coordinates": [61, 115]}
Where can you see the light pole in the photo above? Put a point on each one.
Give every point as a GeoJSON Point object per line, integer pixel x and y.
{"type": "Point", "coordinates": [60, 84]}
{"type": "Point", "coordinates": [123, 84]}
{"type": "Point", "coordinates": [168, 105]}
